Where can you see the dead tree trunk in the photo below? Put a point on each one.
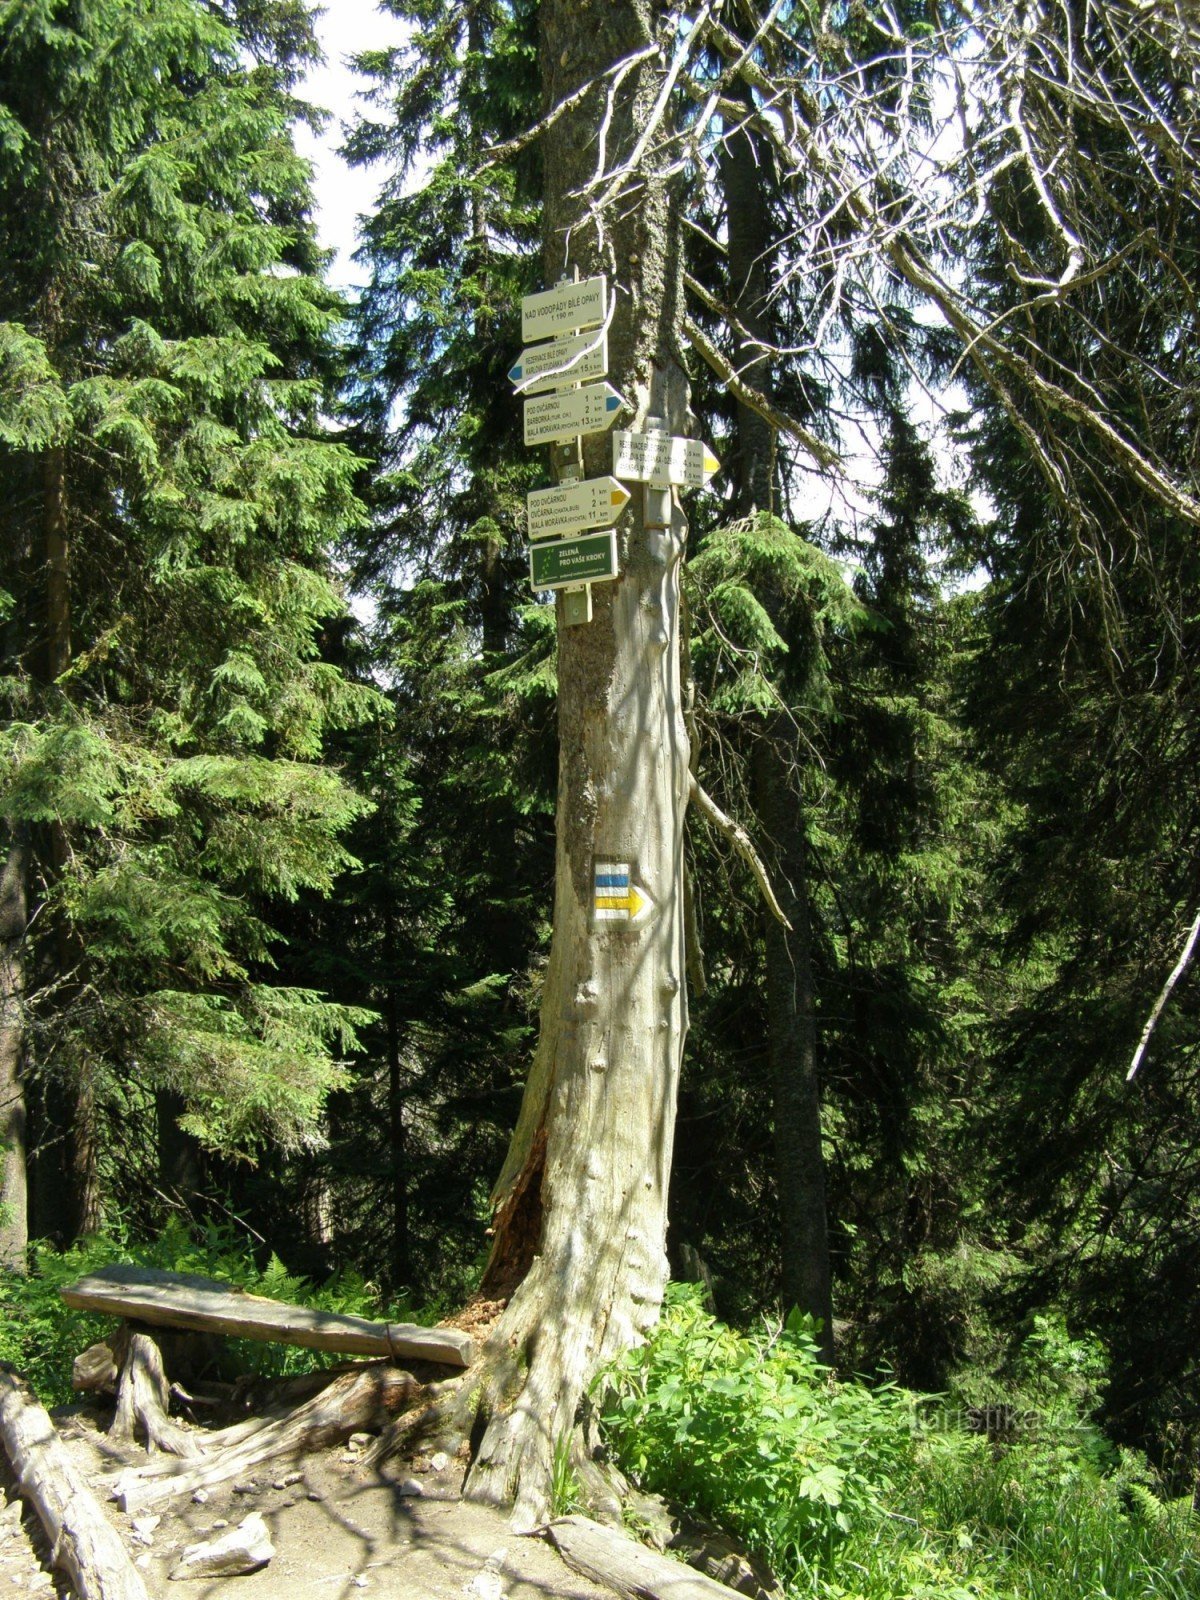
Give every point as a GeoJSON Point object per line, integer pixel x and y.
{"type": "Point", "coordinates": [14, 1230]}
{"type": "Point", "coordinates": [580, 1206]}
{"type": "Point", "coordinates": [82, 1541]}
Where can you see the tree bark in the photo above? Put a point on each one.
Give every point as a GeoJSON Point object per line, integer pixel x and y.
{"type": "Point", "coordinates": [82, 1541]}
{"type": "Point", "coordinates": [81, 1203]}
{"type": "Point", "coordinates": [580, 1206]}
{"type": "Point", "coordinates": [790, 996]}
{"type": "Point", "coordinates": [14, 1226]}
{"type": "Point", "coordinates": [792, 1049]}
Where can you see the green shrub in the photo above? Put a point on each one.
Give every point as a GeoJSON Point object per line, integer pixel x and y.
{"type": "Point", "coordinates": [41, 1337]}
{"type": "Point", "coordinates": [854, 1492]}
{"type": "Point", "coordinates": [752, 1431]}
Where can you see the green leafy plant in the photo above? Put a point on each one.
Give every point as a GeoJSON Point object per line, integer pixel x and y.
{"type": "Point", "coordinates": [854, 1492]}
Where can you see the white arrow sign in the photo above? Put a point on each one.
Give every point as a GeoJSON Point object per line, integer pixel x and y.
{"type": "Point", "coordinates": [569, 412]}
{"type": "Point", "coordinates": [563, 309]}
{"type": "Point", "coordinates": [662, 459]}
{"type": "Point", "coordinates": [571, 507]}
{"type": "Point", "coordinates": [562, 361]}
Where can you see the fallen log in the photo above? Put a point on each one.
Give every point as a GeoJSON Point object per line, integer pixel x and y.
{"type": "Point", "coordinates": [180, 1300]}
{"type": "Point", "coordinates": [355, 1402]}
{"type": "Point", "coordinates": [82, 1541]}
{"type": "Point", "coordinates": [611, 1557]}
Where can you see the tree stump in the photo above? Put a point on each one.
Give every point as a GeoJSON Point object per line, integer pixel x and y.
{"type": "Point", "coordinates": [144, 1401]}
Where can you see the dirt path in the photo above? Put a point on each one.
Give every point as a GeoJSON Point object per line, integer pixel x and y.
{"type": "Point", "coordinates": [341, 1529]}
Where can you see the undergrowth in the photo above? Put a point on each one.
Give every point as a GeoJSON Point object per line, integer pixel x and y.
{"type": "Point", "coordinates": [41, 1336]}
{"type": "Point", "coordinates": [858, 1492]}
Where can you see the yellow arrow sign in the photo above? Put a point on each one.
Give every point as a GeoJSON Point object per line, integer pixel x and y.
{"type": "Point", "coordinates": [631, 902]}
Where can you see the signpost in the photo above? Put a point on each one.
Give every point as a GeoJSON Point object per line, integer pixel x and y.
{"type": "Point", "coordinates": [566, 563]}
{"type": "Point", "coordinates": [570, 507]}
{"type": "Point", "coordinates": [662, 459]}
{"type": "Point", "coordinates": [567, 412]}
{"type": "Point", "coordinates": [560, 362]}
{"type": "Point", "coordinates": [564, 309]}
{"type": "Point", "coordinates": [617, 898]}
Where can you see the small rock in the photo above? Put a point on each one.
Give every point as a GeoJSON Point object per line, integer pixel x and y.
{"type": "Point", "coordinates": [144, 1560]}
{"type": "Point", "coordinates": [245, 1548]}
{"type": "Point", "coordinates": [412, 1487]}
{"type": "Point", "coordinates": [359, 1581]}
{"type": "Point", "coordinates": [485, 1585]}
{"type": "Point", "coordinates": [250, 1486]}
{"type": "Point", "coordinates": [221, 1522]}
{"type": "Point", "coordinates": [143, 1529]}
{"type": "Point", "coordinates": [359, 1441]}
{"type": "Point", "coordinates": [200, 1498]}
{"type": "Point", "coordinates": [315, 1494]}
{"type": "Point", "coordinates": [440, 1461]}
{"type": "Point", "coordinates": [288, 1479]}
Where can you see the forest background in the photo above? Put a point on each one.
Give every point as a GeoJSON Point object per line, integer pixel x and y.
{"type": "Point", "coordinates": [279, 746]}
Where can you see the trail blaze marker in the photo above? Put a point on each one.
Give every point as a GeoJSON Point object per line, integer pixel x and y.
{"type": "Point", "coordinates": [564, 308]}
{"type": "Point", "coordinates": [568, 412]}
{"type": "Point", "coordinates": [617, 897]}
{"type": "Point", "coordinates": [663, 458]}
{"type": "Point", "coordinates": [571, 507]}
{"type": "Point", "coordinates": [561, 362]}
{"type": "Point", "coordinates": [565, 563]}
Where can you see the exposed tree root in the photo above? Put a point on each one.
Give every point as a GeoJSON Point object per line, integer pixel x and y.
{"type": "Point", "coordinates": [144, 1399]}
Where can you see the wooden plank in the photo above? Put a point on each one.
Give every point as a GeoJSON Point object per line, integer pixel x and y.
{"type": "Point", "coordinates": [606, 1555]}
{"type": "Point", "coordinates": [180, 1300]}
{"type": "Point", "coordinates": [83, 1542]}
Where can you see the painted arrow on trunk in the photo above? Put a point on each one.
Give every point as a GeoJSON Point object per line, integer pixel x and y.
{"type": "Point", "coordinates": [618, 898]}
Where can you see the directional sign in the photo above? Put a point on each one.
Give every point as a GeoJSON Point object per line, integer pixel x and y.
{"type": "Point", "coordinates": [663, 458]}
{"type": "Point", "coordinates": [567, 562]}
{"type": "Point", "coordinates": [562, 361]}
{"type": "Point", "coordinates": [570, 507]}
{"type": "Point", "coordinates": [617, 897]}
{"type": "Point", "coordinates": [562, 310]}
{"type": "Point", "coordinates": [568, 412]}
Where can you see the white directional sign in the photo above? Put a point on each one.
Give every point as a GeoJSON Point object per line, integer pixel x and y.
{"type": "Point", "coordinates": [663, 458]}
{"type": "Point", "coordinates": [571, 507]}
{"type": "Point", "coordinates": [561, 361]}
{"type": "Point", "coordinates": [568, 412]}
{"type": "Point", "coordinates": [562, 310]}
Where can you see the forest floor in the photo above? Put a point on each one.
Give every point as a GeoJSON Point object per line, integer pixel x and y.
{"type": "Point", "coordinates": [341, 1528]}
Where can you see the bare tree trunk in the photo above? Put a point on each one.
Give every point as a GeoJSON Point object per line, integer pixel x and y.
{"type": "Point", "coordinates": [14, 1226]}
{"type": "Point", "coordinates": [791, 1001]}
{"type": "Point", "coordinates": [397, 1139]}
{"type": "Point", "coordinates": [82, 1199]}
{"type": "Point", "coordinates": [580, 1218]}
{"type": "Point", "coordinates": [792, 1048]}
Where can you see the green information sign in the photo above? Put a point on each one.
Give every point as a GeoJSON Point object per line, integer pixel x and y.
{"type": "Point", "coordinates": [565, 562]}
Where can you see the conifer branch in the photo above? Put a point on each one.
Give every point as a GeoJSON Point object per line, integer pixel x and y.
{"type": "Point", "coordinates": [742, 843]}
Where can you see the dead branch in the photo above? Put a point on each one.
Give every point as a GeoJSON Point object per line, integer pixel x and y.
{"type": "Point", "coordinates": [1152, 1021]}
{"type": "Point", "coordinates": [742, 843]}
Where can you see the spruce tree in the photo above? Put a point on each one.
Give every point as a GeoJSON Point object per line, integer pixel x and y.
{"type": "Point", "coordinates": [165, 350]}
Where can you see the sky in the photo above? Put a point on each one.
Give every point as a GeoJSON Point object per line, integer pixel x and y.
{"type": "Point", "coordinates": [342, 193]}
